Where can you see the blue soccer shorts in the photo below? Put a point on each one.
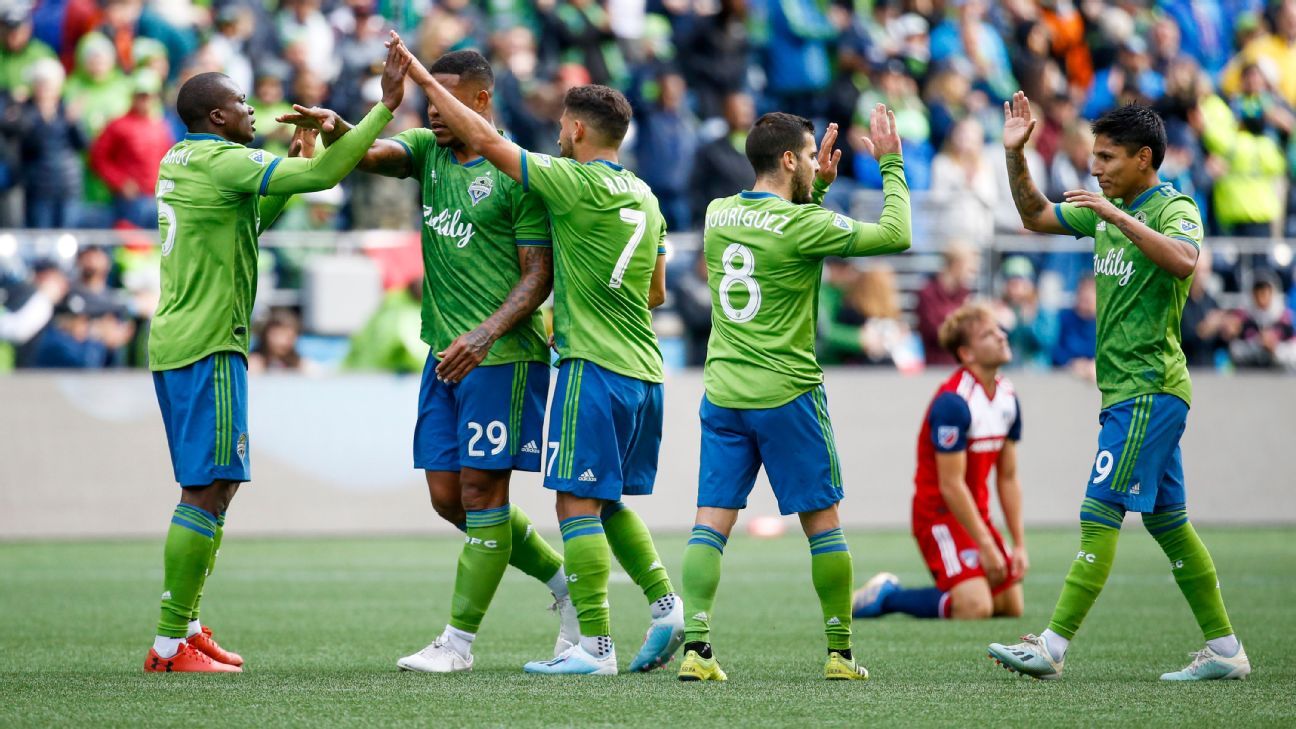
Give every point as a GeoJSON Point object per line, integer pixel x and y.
{"type": "Point", "coordinates": [492, 420]}
{"type": "Point", "coordinates": [204, 410]}
{"type": "Point", "coordinates": [604, 433]}
{"type": "Point", "coordinates": [794, 442]}
{"type": "Point", "coordinates": [1139, 464]}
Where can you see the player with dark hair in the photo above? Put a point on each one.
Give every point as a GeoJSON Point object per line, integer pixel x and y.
{"type": "Point", "coordinates": [971, 428]}
{"type": "Point", "coordinates": [487, 268]}
{"type": "Point", "coordinates": [1147, 237]}
{"type": "Point", "coordinates": [765, 403]}
{"type": "Point", "coordinates": [215, 196]}
{"type": "Point", "coordinates": [605, 423]}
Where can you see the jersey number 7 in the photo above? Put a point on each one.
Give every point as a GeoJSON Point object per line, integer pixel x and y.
{"type": "Point", "coordinates": [639, 221]}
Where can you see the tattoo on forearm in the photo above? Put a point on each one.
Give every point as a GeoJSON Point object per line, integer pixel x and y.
{"type": "Point", "coordinates": [527, 295]}
{"type": "Point", "coordinates": [1030, 201]}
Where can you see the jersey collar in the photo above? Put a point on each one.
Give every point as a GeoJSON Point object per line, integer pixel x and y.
{"type": "Point", "coordinates": [613, 165]}
{"type": "Point", "coordinates": [205, 138]}
{"type": "Point", "coordinates": [749, 195]}
{"type": "Point", "coordinates": [1146, 195]}
{"type": "Point", "coordinates": [470, 163]}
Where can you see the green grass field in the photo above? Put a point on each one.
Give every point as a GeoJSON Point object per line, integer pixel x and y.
{"type": "Point", "coordinates": [321, 623]}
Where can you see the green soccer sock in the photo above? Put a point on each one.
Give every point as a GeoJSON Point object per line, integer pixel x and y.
{"type": "Point", "coordinates": [633, 547]}
{"type": "Point", "coordinates": [211, 564]}
{"type": "Point", "coordinates": [1192, 567]}
{"type": "Point", "coordinates": [833, 576]}
{"type": "Point", "coordinates": [702, 559]}
{"type": "Point", "coordinates": [531, 553]}
{"type": "Point", "coordinates": [588, 561]}
{"type": "Point", "coordinates": [185, 558]}
{"type": "Point", "coordinates": [482, 562]}
{"type": "Point", "coordinates": [1100, 523]}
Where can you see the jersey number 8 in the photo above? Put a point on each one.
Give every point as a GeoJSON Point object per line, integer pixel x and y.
{"type": "Point", "coordinates": [739, 275]}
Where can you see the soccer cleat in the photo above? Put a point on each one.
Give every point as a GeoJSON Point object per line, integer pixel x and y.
{"type": "Point", "coordinates": [187, 659]}
{"type": "Point", "coordinates": [568, 624]}
{"type": "Point", "coordinates": [576, 661]}
{"type": "Point", "coordinates": [1030, 657]}
{"type": "Point", "coordinates": [1207, 665]}
{"type": "Point", "coordinates": [207, 644]}
{"type": "Point", "coordinates": [665, 635]}
{"type": "Point", "coordinates": [867, 601]}
{"type": "Point", "coordinates": [696, 668]}
{"type": "Point", "coordinates": [437, 658]}
{"type": "Point", "coordinates": [840, 668]}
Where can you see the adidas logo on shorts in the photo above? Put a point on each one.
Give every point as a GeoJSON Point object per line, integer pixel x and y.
{"type": "Point", "coordinates": [588, 476]}
{"type": "Point", "coordinates": [530, 447]}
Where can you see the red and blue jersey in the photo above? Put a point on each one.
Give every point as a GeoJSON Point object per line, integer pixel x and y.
{"type": "Point", "coordinates": [964, 417]}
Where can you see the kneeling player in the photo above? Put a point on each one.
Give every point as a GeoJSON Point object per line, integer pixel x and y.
{"type": "Point", "coordinates": [972, 426]}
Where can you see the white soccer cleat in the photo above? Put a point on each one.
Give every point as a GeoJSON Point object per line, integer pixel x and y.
{"type": "Point", "coordinates": [665, 636]}
{"type": "Point", "coordinates": [568, 624]}
{"type": "Point", "coordinates": [437, 658]}
{"type": "Point", "coordinates": [576, 661]}
{"type": "Point", "coordinates": [1030, 657]}
{"type": "Point", "coordinates": [1207, 665]}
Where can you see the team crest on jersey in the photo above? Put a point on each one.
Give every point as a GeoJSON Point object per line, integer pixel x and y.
{"type": "Point", "coordinates": [947, 435]}
{"type": "Point", "coordinates": [258, 156]}
{"type": "Point", "coordinates": [841, 222]}
{"type": "Point", "coordinates": [543, 160]}
{"type": "Point", "coordinates": [480, 189]}
{"type": "Point", "coordinates": [970, 558]}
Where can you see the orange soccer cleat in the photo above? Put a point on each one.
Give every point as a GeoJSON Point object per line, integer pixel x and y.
{"type": "Point", "coordinates": [207, 644]}
{"type": "Point", "coordinates": [187, 659]}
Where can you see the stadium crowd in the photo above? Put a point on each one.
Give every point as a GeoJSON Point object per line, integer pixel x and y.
{"type": "Point", "coordinates": [87, 110]}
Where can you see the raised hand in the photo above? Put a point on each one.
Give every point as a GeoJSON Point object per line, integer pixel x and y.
{"type": "Point", "coordinates": [1095, 201]}
{"type": "Point", "coordinates": [828, 157]}
{"type": "Point", "coordinates": [394, 71]}
{"type": "Point", "coordinates": [303, 142]}
{"type": "Point", "coordinates": [1018, 121]}
{"type": "Point", "coordinates": [882, 139]}
{"type": "Point", "coordinates": [314, 117]}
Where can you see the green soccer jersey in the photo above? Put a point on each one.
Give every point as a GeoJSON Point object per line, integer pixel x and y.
{"type": "Point", "coordinates": [607, 233]}
{"type": "Point", "coordinates": [1140, 304]}
{"type": "Point", "coordinates": [210, 211]}
{"type": "Point", "coordinates": [764, 259]}
{"type": "Point", "coordinates": [474, 220]}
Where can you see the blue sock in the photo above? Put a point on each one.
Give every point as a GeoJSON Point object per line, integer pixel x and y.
{"type": "Point", "coordinates": [920, 602]}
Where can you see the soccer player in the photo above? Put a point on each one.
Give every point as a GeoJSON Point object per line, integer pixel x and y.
{"type": "Point", "coordinates": [215, 196]}
{"type": "Point", "coordinates": [1146, 241]}
{"type": "Point", "coordinates": [765, 401]}
{"type": "Point", "coordinates": [971, 428]}
{"type": "Point", "coordinates": [488, 266]}
{"type": "Point", "coordinates": [605, 425]}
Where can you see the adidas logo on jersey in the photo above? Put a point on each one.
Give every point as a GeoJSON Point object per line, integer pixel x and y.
{"type": "Point", "coordinates": [530, 447]}
{"type": "Point", "coordinates": [701, 617]}
{"type": "Point", "coordinates": [588, 476]}
{"type": "Point", "coordinates": [834, 620]}
{"type": "Point", "coordinates": [655, 565]}
{"type": "Point", "coordinates": [166, 595]}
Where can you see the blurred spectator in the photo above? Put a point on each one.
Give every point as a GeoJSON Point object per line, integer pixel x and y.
{"type": "Point", "coordinates": [963, 179]}
{"type": "Point", "coordinates": [20, 324]}
{"type": "Point", "coordinates": [234, 25]}
{"type": "Point", "coordinates": [88, 333]}
{"type": "Point", "coordinates": [665, 148]}
{"type": "Point", "coordinates": [1246, 196]}
{"type": "Point", "coordinates": [1030, 328]}
{"type": "Point", "coordinates": [1266, 336]}
{"type": "Point", "coordinates": [129, 152]}
{"type": "Point", "coordinates": [1131, 78]}
{"type": "Point", "coordinates": [965, 33]}
{"type": "Point", "coordinates": [714, 48]}
{"type": "Point", "coordinates": [1277, 50]}
{"type": "Point", "coordinates": [307, 38]}
{"type": "Point", "coordinates": [946, 291]}
{"type": "Point", "coordinates": [1070, 169]}
{"type": "Point", "coordinates": [18, 50]}
{"type": "Point", "coordinates": [50, 142]}
{"type": "Point", "coordinates": [1066, 34]}
{"type": "Point", "coordinates": [269, 101]}
{"type": "Point", "coordinates": [389, 341]}
{"type": "Point", "coordinates": [690, 294]}
{"type": "Point", "coordinates": [1077, 339]}
{"type": "Point", "coordinates": [276, 347]}
{"type": "Point", "coordinates": [361, 51]}
{"type": "Point", "coordinates": [126, 20]}
{"type": "Point", "coordinates": [582, 33]}
{"type": "Point", "coordinates": [894, 87]}
{"type": "Point", "coordinates": [949, 98]}
{"type": "Point", "coordinates": [97, 88]}
{"type": "Point", "coordinates": [796, 57]}
{"type": "Point", "coordinates": [90, 278]}
{"type": "Point", "coordinates": [863, 323]}
{"type": "Point", "coordinates": [721, 168]}
{"type": "Point", "coordinates": [1204, 322]}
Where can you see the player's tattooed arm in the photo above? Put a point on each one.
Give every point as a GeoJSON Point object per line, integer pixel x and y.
{"type": "Point", "coordinates": [1036, 211]}
{"type": "Point", "coordinates": [1178, 257]}
{"type": "Point", "coordinates": [531, 290]}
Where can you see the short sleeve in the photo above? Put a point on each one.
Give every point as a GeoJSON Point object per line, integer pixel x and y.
{"type": "Point", "coordinates": [661, 242]}
{"type": "Point", "coordinates": [243, 170]}
{"type": "Point", "coordinates": [416, 142]}
{"type": "Point", "coordinates": [1081, 222]}
{"type": "Point", "coordinates": [530, 219]}
{"type": "Point", "coordinates": [949, 420]}
{"type": "Point", "coordinates": [1014, 430]}
{"type": "Point", "coordinates": [557, 180]}
{"type": "Point", "coordinates": [1181, 220]}
{"type": "Point", "coordinates": [820, 232]}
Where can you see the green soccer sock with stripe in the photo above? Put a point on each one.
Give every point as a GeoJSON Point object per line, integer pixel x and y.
{"type": "Point", "coordinates": [482, 562]}
{"type": "Point", "coordinates": [194, 625]}
{"type": "Point", "coordinates": [702, 559]}
{"type": "Point", "coordinates": [588, 561]}
{"type": "Point", "coordinates": [186, 557]}
{"type": "Point", "coordinates": [1100, 523]}
{"type": "Point", "coordinates": [1193, 568]}
{"type": "Point", "coordinates": [533, 555]}
{"type": "Point", "coordinates": [832, 572]}
{"type": "Point", "coordinates": [633, 547]}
